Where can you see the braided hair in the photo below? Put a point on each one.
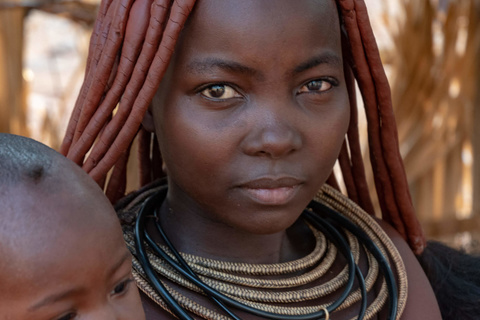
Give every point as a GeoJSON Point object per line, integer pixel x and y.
{"type": "Point", "coordinates": [128, 56]}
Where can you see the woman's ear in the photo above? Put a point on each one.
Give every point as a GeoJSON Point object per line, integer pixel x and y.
{"type": "Point", "coordinates": [147, 121]}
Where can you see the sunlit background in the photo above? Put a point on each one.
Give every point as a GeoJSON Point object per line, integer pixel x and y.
{"type": "Point", "coordinates": [430, 49]}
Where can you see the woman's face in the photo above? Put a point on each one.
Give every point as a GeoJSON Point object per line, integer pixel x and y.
{"type": "Point", "coordinates": [253, 110]}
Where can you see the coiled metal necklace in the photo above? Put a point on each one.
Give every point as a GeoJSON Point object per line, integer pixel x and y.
{"type": "Point", "coordinates": [247, 287]}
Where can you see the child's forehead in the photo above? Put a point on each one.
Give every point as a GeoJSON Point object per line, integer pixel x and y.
{"type": "Point", "coordinates": [31, 218]}
{"type": "Point", "coordinates": [41, 229]}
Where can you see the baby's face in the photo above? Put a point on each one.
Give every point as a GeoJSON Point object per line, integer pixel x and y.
{"type": "Point", "coordinates": [69, 265]}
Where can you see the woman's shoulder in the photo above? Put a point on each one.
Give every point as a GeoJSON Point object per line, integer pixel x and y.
{"type": "Point", "coordinates": [421, 302]}
{"type": "Point", "coordinates": [152, 310]}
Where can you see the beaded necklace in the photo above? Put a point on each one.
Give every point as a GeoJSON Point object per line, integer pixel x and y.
{"type": "Point", "coordinates": [250, 287]}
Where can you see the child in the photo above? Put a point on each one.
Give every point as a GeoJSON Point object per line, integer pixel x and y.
{"type": "Point", "coordinates": [63, 254]}
{"type": "Point", "coordinates": [249, 104]}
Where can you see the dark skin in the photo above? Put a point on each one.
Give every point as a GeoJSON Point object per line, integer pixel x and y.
{"type": "Point", "coordinates": [243, 165]}
{"type": "Point", "coordinates": [63, 252]}
{"type": "Point", "coordinates": [250, 118]}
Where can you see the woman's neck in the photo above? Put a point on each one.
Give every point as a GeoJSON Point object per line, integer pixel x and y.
{"type": "Point", "coordinates": [193, 234]}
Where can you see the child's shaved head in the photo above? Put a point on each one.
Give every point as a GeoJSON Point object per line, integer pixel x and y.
{"type": "Point", "coordinates": [36, 181]}
{"type": "Point", "coordinates": [24, 160]}
{"type": "Point", "coordinates": [61, 244]}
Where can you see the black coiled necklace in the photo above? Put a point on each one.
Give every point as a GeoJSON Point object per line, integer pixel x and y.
{"type": "Point", "coordinates": [319, 216]}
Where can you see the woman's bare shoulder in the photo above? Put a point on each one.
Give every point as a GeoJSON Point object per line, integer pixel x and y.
{"type": "Point", "coordinates": [421, 303]}
{"type": "Point", "coordinates": [153, 311]}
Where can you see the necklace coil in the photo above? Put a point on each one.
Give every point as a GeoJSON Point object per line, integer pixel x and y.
{"type": "Point", "coordinates": [241, 286]}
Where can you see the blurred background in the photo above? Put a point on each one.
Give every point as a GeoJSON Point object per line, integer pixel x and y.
{"type": "Point", "coordinates": [430, 48]}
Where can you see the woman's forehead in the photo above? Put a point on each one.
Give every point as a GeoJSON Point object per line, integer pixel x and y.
{"type": "Point", "coordinates": [264, 13]}
{"type": "Point", "coordinates": [264, 7]}
{"type": "Point", "coordinates": [254, 28]}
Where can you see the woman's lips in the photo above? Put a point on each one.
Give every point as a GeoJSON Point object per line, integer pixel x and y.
{"type": "Point", "coordinates": [272, 191]}
{"type": "Point", "coordinates": [276, 196]}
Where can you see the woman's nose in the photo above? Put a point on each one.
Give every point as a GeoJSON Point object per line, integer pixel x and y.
{"type": "Point", "coordinates": [274, 132]}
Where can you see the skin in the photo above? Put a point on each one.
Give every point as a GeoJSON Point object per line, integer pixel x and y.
{"type": "Point", "coordinates": [250, 119]}
{"type": "Point", "coordinates": [66, 258]}
{"type": "Point", "coordinates": [244, 165]}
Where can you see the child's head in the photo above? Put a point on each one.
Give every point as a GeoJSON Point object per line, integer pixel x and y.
{"type": "Point", "coordinates": [61, 246]}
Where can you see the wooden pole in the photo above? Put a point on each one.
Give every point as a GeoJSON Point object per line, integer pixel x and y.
{"type": "Point", "coordinates": [476, 146]}
{"type": "Point", "coordinates": [12, 96]}
{"type": "Point", "coordinates": [476, 116]}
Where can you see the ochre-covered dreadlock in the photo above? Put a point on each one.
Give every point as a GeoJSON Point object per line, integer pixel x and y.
{"type": "Point", "coordinates": [128, 57]}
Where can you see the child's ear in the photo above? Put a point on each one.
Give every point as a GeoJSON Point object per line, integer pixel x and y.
{"type": "Point", "coordinates": [147, 121]}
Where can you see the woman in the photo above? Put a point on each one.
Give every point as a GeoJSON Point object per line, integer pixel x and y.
{"type": "Point", "coordinates": [249, 105]}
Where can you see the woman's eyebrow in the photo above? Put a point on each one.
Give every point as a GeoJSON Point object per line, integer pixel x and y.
{"type": "Point", "coordinates": [204, 65]}
{"type": "Point", "coordinates": [324, 58]}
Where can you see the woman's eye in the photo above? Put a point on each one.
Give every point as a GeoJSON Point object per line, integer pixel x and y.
{"type": "Point", "coordinates": [220, 92]}
{"type": "Point", "coordinates": [316, 86]}
{"type": "Point", "coordinates": [121, 287]}
{"type": "Point", "coordinates": [68, 316]}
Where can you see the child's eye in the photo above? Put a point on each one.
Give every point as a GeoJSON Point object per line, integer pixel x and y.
{"type": "Point", "coordinates": [68, 316]}
{"type": "Point", "coordinates": [220, 92]}
{"type": "Point", "coordinates": [121, 287]}
{"type": "Point", "coordinates": [316, 86]}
